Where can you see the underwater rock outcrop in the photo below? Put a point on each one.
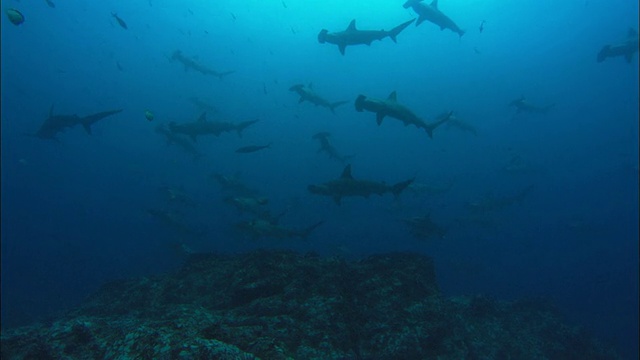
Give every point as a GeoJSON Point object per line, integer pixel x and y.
{"type": "Point", "coordinates": [283, 305]}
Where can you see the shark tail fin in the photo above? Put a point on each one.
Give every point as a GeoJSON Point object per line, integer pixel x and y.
{"type": "Point", "coordinates": [305, 232]}
{"type": "Point", "coordinates": [243, 125]}
{"type": "Point", "coordinates": [398, 188]}
{"type": "Point", "coordinates": [396, 30]}
{"type": "Point", "coordinates": [225, 73]}
{"type": "Point", "coordinates": [334, 105]}
{"type": "Point", "coordinates": [439, 122]}
{"type": "Point", "coordinates": [90, 119]}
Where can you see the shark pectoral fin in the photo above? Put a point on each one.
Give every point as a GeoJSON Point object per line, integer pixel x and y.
{"type": "Point", "coordinates": [342, 47]}
{"type": "Point", "coordinates": [87, 127]}
{"type": "Point", "coordinates": [379, 118]}
{"type": "Point", "coordinates": [628, 56]}
{"type": "Point", "coordinates": [420, 20]}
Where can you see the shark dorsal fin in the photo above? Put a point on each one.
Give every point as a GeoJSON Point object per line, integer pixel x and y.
{"type": "Point", "coordinates": [352, 25]}
{"type": "Point", "coordinates": [346, 173]}
{"type": "Point", "coordinates": [632, 33]}
{"type": "Point", "coordinates": [203, 117]}
{"type": "Point", "coordinates": [434, 4]}
{"type": "Point", "coordinates": [392, 96]}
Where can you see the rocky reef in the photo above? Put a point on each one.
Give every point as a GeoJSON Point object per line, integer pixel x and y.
{"type": "Point", "coordinates": [283, 305]}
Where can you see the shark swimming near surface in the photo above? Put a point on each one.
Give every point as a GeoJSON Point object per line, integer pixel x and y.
{"type": "Point", "coordinates": [432, 14]}
{"type": "Point", "coordinates": [204, 127]}
{"type": "Point", "coordinates": [190, 63]}
{"type": "Point", "coordinates": [308, 94]}
{"type": "Point", "coordinates": [625, 49]}
{"type": "Point", "coordinates": [58, 123]}
{"type": "Point", "coordinates": [392, 108]}
{"type": "Point", "coordinates": [346, 185]}
{"type": "Point", "coordinates": [353, 36]}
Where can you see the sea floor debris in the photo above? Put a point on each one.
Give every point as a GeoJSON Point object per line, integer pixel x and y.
{"type": "Point", "coordinates": [275, 305]}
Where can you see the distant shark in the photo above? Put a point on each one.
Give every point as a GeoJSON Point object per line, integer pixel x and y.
{"type": "Point", "coordinates": [346, 185]}
{"type": "Point", "coordinates": [522, 105]}
{"type": "Point", "coordinates": [432, 14]}
{"type": "Point", "coordinates": [326, 146]}
{"type": "Point", "coordinates": [422, 227]}
{"type": "Point", "coordinates": [204, 127]}
{"type": "Point", "coordinates": [264, 228]}
{"type": "Point", "coordinates": [180, 140]}
{"type": "Point", "coordinates": [192, 64]}
{"type": "Point", "coordinates": [353, 36]}
{"type": "Point", "coordinates": [626, 48]}
{"type": "Point", "coordinates": [308, 94]}
{"type": "Point", "coordinates": [57, 123]}
{"type": "Point", "coordinates": [392, 108]}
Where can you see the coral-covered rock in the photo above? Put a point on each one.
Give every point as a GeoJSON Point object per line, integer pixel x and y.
{"type": "Point", "coordinates": [283, 305]}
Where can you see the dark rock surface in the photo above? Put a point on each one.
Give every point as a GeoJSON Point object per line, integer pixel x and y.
{"type": "Point", "coordinates": [282, 305]}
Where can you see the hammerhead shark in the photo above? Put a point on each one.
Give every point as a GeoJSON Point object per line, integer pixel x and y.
{"type": "Point", "coordinates": [182, 141]}
{"type": "Point", "coordinates": [189, 63]}
{"type": "Point", "coordinates": [626, 48]}
{"type": "Point", "coordinates": [522, 105]}
{"type": "Point", "coordinates": [432, 14]}
{"type": "Point", "coordinates": [346, 185]}
{"type": "Point", "coordinates": [326, 146]}
{"type": "Point", "coordinates": [204, 127]}
{"type": "Point", "coordinates": [57, 123]}
{"type": "Point", "coordinates": [392, 108]}
{"type": "Point", "coordinates": [422, 227]}
{"type": "Point", "coordinates": [353, 36]}
{"type": "Point", "coordinates": [308, 94]}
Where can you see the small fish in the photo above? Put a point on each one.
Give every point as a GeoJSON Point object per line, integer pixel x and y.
{"type": "Point", "coordinates": [15, 16]}
{"type": "Point", "coordinates": [264, 88]}
{"type": "Point", "coordinates": [252, 148]}
{"type": "Point", "coordinates": [284, 4]}
{"type": "Point", "coordinates": [482, 25]}
{"type": "Point", "coordinates": [233, 16]}
{"type": "Point", "coordinates": [119, 66]}
{"type": "Point", "coordinates": [148, 115]}
{"type": "Point", "coordinates": [50, 3]}
{"type": "Point", "coordinates": [120, 21]}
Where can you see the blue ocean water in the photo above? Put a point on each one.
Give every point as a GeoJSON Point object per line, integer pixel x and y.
{"type": "Point", "coordinates": [75, 210]}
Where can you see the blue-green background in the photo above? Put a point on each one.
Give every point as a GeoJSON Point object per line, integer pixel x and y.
{"type": "Point", "coordinates": [74, 211]}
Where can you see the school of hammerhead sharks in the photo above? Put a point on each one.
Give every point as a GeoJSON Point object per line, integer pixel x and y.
{"type": "Point", "coordinates": [265, 224]}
